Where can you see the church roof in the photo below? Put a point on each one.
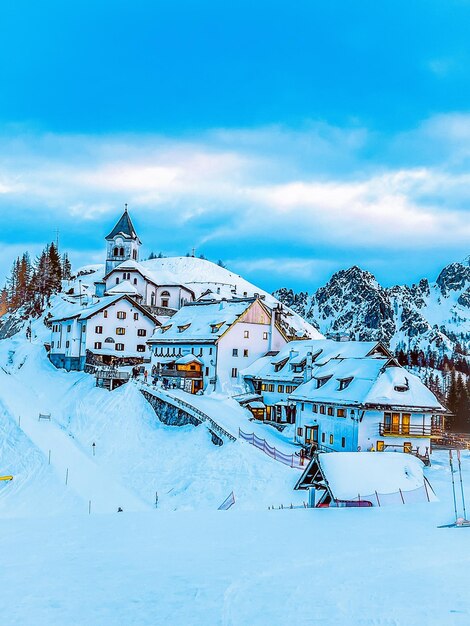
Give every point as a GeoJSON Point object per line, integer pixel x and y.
{"type": "Point", "coordinates": [124, 227]}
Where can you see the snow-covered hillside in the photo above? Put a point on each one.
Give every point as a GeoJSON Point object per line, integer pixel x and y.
{"type": "Point", "coordinates": [68, 557]}
{"type": "Point", "coordinates": [135, 454]}
{"type": "Point", "coordinates": [435, 315]}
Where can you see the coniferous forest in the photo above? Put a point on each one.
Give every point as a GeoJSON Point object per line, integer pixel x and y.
{"type": "Point", "coordinates": [31, 283]}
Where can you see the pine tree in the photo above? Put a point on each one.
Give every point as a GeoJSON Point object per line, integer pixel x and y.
{"type": "Point", "coordinates": [3, 301]}
{"type": "Point", "coordinates": [55, 270]}
{"type": "Point", "coordinates": [66, 267]}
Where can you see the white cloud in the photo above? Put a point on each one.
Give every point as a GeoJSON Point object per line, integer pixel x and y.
{"type": "Point", "coordinates": [272, 188]}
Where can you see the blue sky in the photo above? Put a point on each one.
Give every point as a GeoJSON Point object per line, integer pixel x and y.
{"type": "Point", "coordinates": [288, 139]}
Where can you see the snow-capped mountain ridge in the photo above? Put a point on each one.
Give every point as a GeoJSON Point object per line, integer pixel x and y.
{"type": "Point", "coordinates": [424, 315]}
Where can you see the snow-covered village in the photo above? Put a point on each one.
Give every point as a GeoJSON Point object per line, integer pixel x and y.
{"type": "Point", "coordinates": [234, 315]}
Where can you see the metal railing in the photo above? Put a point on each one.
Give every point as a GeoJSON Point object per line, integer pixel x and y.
{"type": "Point", "coordinates": [114, 374]}
{"type": "Point", "coordinates": [189, 408]}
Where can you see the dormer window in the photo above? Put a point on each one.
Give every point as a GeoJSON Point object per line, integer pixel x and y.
{"type": "Point", "coordinates": [216, 327]}
{"type": "Point", "coordinates": [404, 387]}
{"type": "Point", "coordinates": [278, 366]}
{"type": "Point", "coordinates": [322, 381]}
{"type": "Point", "coordinates": [165, 328]}
{"type": "Point", "coordinates": [182, 328]}
{"type": "Point", "coordinates": [344, 382]}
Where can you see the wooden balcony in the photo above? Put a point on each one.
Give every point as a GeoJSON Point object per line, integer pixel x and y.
{"type": "Point", "coordinates": [409, 430]}
{"type": "Point", "coordinates": [173, 373]}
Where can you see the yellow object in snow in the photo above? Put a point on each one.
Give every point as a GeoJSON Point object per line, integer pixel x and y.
{"type": "Point", "coordinates": [6, 477]}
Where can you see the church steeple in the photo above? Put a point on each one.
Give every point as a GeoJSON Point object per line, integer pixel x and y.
{"type": "Point", "coordinates": [122, 242]}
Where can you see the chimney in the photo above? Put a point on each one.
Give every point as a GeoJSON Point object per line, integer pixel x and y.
{"type": "Point", "coordinates": [308, 367]}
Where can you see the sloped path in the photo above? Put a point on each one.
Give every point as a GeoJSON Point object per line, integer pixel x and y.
{"type": "Point", "coordinates": [87, 479]}
{"type": "Point", "coordinates": [226, 413]}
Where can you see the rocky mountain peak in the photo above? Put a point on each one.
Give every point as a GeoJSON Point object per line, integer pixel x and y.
{"type": "Point", "coordinates": [352, 303]}
{"type": "Point", "coordinates": [454, 277]}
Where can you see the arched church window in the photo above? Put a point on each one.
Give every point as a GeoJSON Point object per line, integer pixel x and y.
{"type": "Point", "coordinates": [121, 251]}
{"type": "Point", "coordinates": [134, 255]}
{"type": "Point", "coordinates": [117, 280]}
{"type": "Point", "coordinates": [135, 281]}
{"type": "Point", "coordinates": [115, 252]}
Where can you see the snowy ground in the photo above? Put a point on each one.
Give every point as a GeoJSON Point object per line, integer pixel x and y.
{"type": "Point", "coordinates": [187, 563]}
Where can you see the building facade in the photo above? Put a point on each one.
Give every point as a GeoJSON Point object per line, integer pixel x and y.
{"type": "Point", "coordinates": [113, 331]}
{"type": "Point", "coordinates": [366, 404]}
{"type": "Point", "coordinates": [276, 376]}
{"type": "Point", "coordinates": [223, 337]}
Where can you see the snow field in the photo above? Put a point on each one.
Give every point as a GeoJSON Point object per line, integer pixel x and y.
{"type": "Point", "coordinates": [187, 563]}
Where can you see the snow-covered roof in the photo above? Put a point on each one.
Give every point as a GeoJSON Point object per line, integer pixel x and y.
{"type": "Point", "coordinates": [188, 358]}
{"type": "Point", "coordinates": [200, 322]}
{"type": "Point", "coordinates": [369, 381]}
{"type": "Point", "coordinates": [350, 474]}
{"type": "Point", "coordinates": [99, 306]}
{"type": "Point", "coordinates": [200, 275]}
{"type": "Point", "coordinates": [71, 312]}
{"type": "Point", "coordinates": [322, 350]}
{"type": "Point", "coordinates": [123, 287]}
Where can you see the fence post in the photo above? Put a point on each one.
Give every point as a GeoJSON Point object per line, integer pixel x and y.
{"type": "Point", "coordinates": [377, 496]}
{"type": "Point", "coordinates": [66, 476]}
{"type": "Point", "coordinates": [426, 489]}
{"type": "Point", "coordinates": [89, 507]}
{"type": "Point", "coordinates": [402, 498]}
{"type": "Point", "coordinates": [49, 459]}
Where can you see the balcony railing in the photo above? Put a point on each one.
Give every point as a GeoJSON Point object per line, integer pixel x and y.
{"type": "Point", "coordinates": [172, 373]}
{"type": "Point", "coordinates": [410, 430]}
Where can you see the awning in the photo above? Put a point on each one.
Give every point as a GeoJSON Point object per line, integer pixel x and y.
{"type": "Point", "coordinates": [188, 358]}
{"type": "Point", "coordinates": [245, 398]}
{"type": "Point", "coordinates": [256, 405]}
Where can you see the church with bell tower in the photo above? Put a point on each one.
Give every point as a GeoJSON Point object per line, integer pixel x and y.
{"type": "Point", "coordinates": [122, 242]}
